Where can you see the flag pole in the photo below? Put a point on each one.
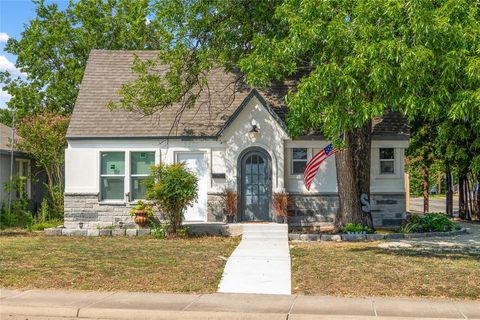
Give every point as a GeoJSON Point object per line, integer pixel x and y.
{"type": "Point", "coordinates": [12, 144]}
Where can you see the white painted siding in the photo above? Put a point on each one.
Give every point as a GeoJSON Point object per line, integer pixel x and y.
{"type": "Point", "coordinates": [271, 137]}
{"type": "Point", "coordinates": [326, 179]}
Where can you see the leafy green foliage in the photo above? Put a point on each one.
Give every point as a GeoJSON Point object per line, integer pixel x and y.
{"type": "Point", "coordinates": [356, 228]}
{"type": "Point", "coordinates": [43, 138]}
{"type": "Point", "coordinates": [172, 188]}
{"type": "Point", "coordinates": [19, 215]}
{"type": "Point", "coordinates": [432, 222]}
{"type": "Point", "coordinates": [42, 225]}
{"type": "Point", "coordinates": [141, 205]}
{"type": "Point", "coordinates": [54, 47]}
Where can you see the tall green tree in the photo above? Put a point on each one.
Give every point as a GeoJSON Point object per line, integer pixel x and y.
{"type": "Point", "coordinates": [357, 59]}
{"type": "Point", "coordinates": [54, 47]}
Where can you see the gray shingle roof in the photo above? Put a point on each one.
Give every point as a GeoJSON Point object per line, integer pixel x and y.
{"type": "Point", "coordinates": [107, 70]}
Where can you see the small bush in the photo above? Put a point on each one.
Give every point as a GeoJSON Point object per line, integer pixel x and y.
{"type": "Point", "coordinates": [39, 226]}
{"type": "Point", "coordinates": [19, 215]}
{"type": "Point", "coordinates": [356, 228]}
{"type": "Point", "coordinates": [172, 188]}
{"type": "Point", "coordinates": [431, 222]}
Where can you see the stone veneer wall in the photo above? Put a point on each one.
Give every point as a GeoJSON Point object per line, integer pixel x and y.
{"type": "Point", "coordinates": [388, 210]}
{"type": "Point", "coordinates": [215, 207]}
{"type": "Point", "coordinates": [85, 208]}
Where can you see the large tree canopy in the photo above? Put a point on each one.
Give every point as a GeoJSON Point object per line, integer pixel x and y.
{"type": "Point", "coordinates": [54, 47]}
{"type": "Point", "coordinates": [356, 59]}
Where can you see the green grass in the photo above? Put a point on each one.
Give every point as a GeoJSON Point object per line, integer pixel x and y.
{"type": "Point", "coordinates": [113, 263]}
{"type": "Point", "coordinates": [364, 269]}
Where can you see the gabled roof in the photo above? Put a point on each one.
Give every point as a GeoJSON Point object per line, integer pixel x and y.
{"type": "Point", "coordinates": [106, 71]}
{"type": "Point", "coordinates": [214, 110]}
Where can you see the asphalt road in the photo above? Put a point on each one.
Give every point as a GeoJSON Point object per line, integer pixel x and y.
{"type": "Point", "coordinates": [436, 204]}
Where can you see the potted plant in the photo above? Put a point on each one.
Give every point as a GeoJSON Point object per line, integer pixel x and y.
{"type": "Point", "coordinates": [280, 203]}
{"type": "Point", "coordinates": [142, 213]}
{"type": "Point", "coordinates": [230, 205]}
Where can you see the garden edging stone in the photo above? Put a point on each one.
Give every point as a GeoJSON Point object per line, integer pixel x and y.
{"type": "Point", "coordinates": [371, 236]}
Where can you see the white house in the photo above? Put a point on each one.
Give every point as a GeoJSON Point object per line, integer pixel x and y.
{"type": "Point", "coordinates": [234, 137]}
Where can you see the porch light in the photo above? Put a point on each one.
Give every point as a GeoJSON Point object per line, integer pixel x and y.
{"type": "Point", "coordinates": [80, 225]}
{"type": "Point", "coordinates": [120, 224]}
{"type": "Point", "coordinates": [254, 132]}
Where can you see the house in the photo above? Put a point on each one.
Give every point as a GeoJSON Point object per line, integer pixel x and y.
{"type": "Point", "coordinates": [234, 137]}
{"type": "Point", "coordinates": [23, 166]}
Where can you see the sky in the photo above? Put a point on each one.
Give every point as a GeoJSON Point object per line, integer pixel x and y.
{"type": "Point", "coordinates": [14, 15]}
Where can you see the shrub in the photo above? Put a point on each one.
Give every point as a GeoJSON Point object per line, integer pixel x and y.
{"type": "Point", "coordinates": [19, 215]}
{"type": "Point", "coordinates": [280, 203]}
{"type": "Point", "coordinates": [172, 188]}
{"type": "Point", "coordinates": [356, 228]}
{"type": "Point", "coordinates": [39, 226]}
{"type": "Point", "coordinates": [431, 222]}
{"type": "Point", "coordinates": [229, 198]}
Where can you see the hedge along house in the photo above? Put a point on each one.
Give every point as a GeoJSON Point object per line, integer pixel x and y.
{"type": "Point", "coordinates": [234, 137]}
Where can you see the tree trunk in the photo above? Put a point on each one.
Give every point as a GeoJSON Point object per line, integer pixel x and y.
{"type": "Point", "coordinates": [425, 189]}
{"type": "Point", "coordinates": [449, 189]}
{"type": "Point", "coordinates": [353, 177]}
{"type": "Point", "coordinates": [461, 197]}
{"type": "Point", "coordinates": [478, 197]}
{"type": "Point", "coordinates": [469, 198]}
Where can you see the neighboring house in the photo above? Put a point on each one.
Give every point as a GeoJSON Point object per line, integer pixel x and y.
{"type": "Point", "coordinates": [234, 137]}
{"type": "Point", "coordinates": [22, 166]}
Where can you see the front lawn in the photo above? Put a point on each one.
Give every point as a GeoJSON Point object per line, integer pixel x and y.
{"type": "Point", "coordinates": [364, 269]}
{"type": "Point", "coordinates": [113, 263]}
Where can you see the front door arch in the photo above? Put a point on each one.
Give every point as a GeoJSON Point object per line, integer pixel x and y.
{"type": "Point", "coordinates": [255, 184]}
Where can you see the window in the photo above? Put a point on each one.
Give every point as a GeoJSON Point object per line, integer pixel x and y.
{"type": "Point", "coordinates": [387, 161]}
{"type": "Point", "coordinates": [22, 169]}
{"type": "Point", "coordinates": [112, 175]}
{"type": "Point", "coordinates": [140, 163]}
{"type": "Point", "coordinates": [299, 160]}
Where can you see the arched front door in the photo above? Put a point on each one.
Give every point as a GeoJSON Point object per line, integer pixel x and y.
{"type": "Point", "coordinates": [255, 185]}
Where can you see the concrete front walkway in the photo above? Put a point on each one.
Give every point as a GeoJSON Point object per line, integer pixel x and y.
{"type": "Point", "coordinates": [44, 304]}
{"type": "Point", "coordinates": [260, 263]}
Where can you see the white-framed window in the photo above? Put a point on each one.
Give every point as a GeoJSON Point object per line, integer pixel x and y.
{"type": "Point", "coordinates": [22, 169]}
{"type": "Point", "coordinates": [140, 163]}
{"type": "Point", "coordinates": [112, 175]}
{"type": "Point", "coordinates": [387, 160]}
{"type": "Point", "coordinates": [299, 160]}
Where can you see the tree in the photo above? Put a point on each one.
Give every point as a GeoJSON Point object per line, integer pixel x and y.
{"type": "Point", "coordinates": [356, 60]}
{"type": "Point", "coordinates": [54, 48]}
{"type": "Point", "coordinates": [43, 138]}
{"type": "Point", "coordinates": [172, 188]}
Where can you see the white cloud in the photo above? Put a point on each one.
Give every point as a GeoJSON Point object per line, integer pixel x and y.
{"type": "Point", "coordinates": [3, 37]}
{"type": "Point", "coordinates": [4, 98]}
{"type": "Point", "coordinates": [7, 65]}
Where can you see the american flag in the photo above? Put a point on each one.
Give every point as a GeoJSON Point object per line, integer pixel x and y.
{"type": "Point", "coordinates": [314, 163]}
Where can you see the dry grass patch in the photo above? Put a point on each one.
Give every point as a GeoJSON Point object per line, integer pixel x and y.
{"type": "Point", "coordinates": [113, 263]}
{"type": "Point", "coordinates": [364, 269]}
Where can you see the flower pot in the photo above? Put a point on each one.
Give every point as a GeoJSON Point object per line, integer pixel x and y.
{"type": "Point", "coordinates": [230, 218]}
{"type": "Point", "coordinates": [141, 218]}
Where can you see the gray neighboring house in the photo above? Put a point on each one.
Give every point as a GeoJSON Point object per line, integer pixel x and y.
{"type": "Point", "coordinates": [22, 166]}
{"type": "Point", "coordinates": [233, 138]}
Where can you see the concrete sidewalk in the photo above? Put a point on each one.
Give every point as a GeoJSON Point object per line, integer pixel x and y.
{"type": "Point", "coordinates": [43, 304]}
{"type": "Point", "coordinates": [260, 263]}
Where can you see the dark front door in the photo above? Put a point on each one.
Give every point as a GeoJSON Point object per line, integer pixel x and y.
{"type": "Point", "coordinates": [255, 182]}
